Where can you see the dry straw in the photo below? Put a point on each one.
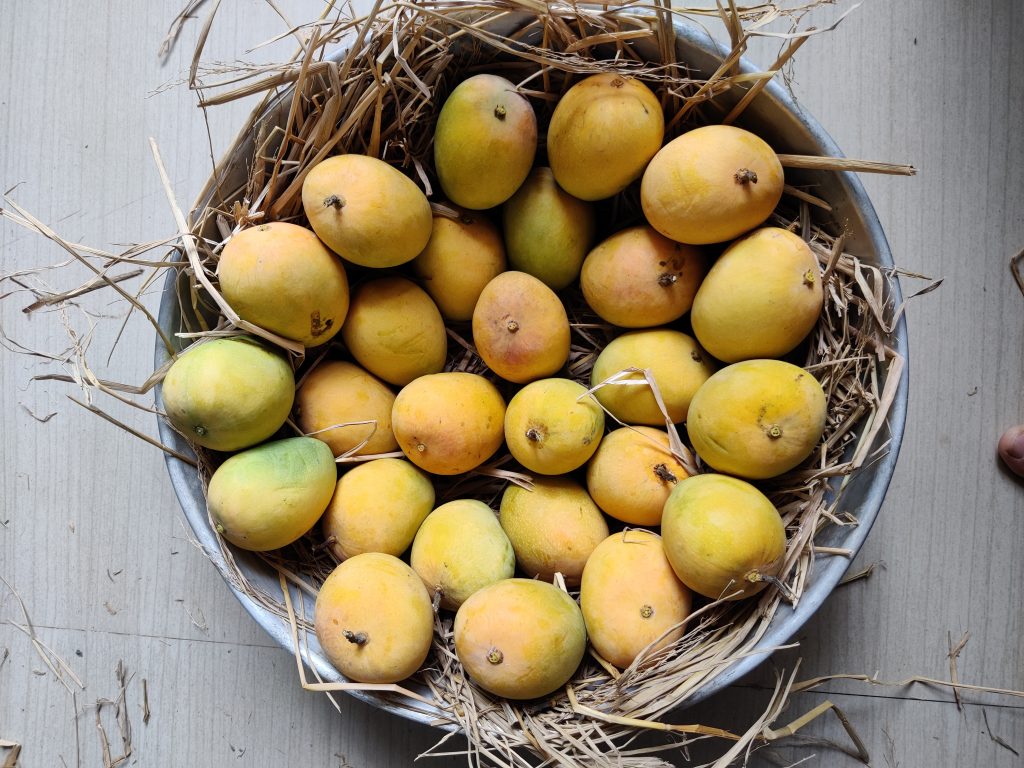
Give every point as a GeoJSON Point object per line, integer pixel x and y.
{"type": "Point", "coordinates": [380, 97]}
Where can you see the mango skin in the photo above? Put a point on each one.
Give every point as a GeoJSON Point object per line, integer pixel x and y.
{"type": "Point", "coordinates": [638, 278]}
{"type": "Point", "coordinates": [676, 361]}
{"type": "Point", "coordinates": [380, 598]}
{"type": "Point", "coordinates": [228, 394]}
{"type": "Point", "coordinates": [340, 392]}
{"type": "Point", "coordinates": [553, 528]}
{"type": "Point", "coordinates": [377, 506]}
{"type": "Point", "coordinates": [760, 299]}
{"type": "Point", "coordinates": [461, 257]}
{"type": "Point", "coordinates": [693, 190]}
{"type": "Point", "coordinates": [395, 331]}
{"type": "Point", "coordinates": [757, 418]}
{"type": "Point", "coordinates": [603, 132]}
{"type": "Point", "coordinates": [280, 277]}
{"type": "Point", "coordinates": [459, 549]}
{"type": "Point", "coordinates": [267, 497]}
{"type": "Point", "coordinates": [632, 473]}
{"type": "Point", "coordinates": [484, 142]}
{"type": "Point", "coordinates": [722, 536]}
{"type": "Point", "coordinates": [547, 230]}
{"type": "Point", "coordinates": [520, 328]}
{"type": "Point", "coordinates": [631, 598]}
{"type": "Point", "coordinates": [449, 423]}
{"type": "Point", "coordinates": [520, 639]}
{"type": "Point", "coordinates": [366, 211]}
{"type": "Point", "coordinates": [552, 426]}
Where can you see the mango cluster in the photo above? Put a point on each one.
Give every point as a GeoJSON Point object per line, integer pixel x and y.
{"type": "Point", "coordinates": [700, 297]}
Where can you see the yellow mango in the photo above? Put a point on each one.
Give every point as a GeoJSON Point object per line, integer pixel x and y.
{"type": "Point", "coordinates": [345, 406]}
{"type": "Point", "coordinates": [631, 598]}
{"type": "Point", "coordinates": [484, 142]}
{"type": "Point", "coordinates": [280, 277]}
{"type": "Point", "coordinates": [711, 185]}
{"type": "Point", "coordinates": [377, 507]}
{"type": "Point", "coordinates": [547, 230]}
{"type": "Point", "coordinates": [395, 331]}
{"type": "Point", "coordinates": [722, 536]}
{"type": "Point", "coordinates": [366, 211]}
{"type": "Point", "coordinates": [603, 132]}
{"type": "Point", "coordinates": [761, 298]}
{"type": "Point", "coordinates": [373, 619]}
{"type": "Point", "coordinates": [757, 418]}
{"type": "Point", "coordinates": [449, 423]}
{"type": "Point", "coordinates": [519, 638]}
{"type": "Point", "coordinates": [462, 256]}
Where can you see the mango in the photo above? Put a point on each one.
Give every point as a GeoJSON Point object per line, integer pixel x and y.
{"type": "Point", "coordinates": [711, 185]}
{"type": "Point", "coordinates": [638, 278]}
{"type": "Point", "coordinates": [449, 423]}
{"type": "Point", "coordinates": [632, 473]}
{"type": "Point", "coordinates": [722, 536]}
{"type": "Point", "coordinates": [227, 394]}
{"type": "Point", "coordinates": [461, 257]}
{"type": "Point", "coordinates": [761, 298]}
{"type": "Point", "coordinates": [552, 426]}
{"type": "Point", "coordinates": [377, 507]}
{"type": "Point", "coordinates": [373, 619]}
{"type": "Point", "coordinates": [631, 599]}
{"type": "Point", "coordinates": [757, 418]}
{"type": "Point", "coordinates": [520, 639]}
{"type": "Point", "coordinates": [267, 497]}
{"type": "Point", "coordinates": [678, 366]}
{"type": "Point", "coordinates": [547, 230]}
{"type": "Point", "coordinates": [520, 328]}
{"type": "Point", "coordinates": [553, 527]}
{"type": "Point", "coordinates": [366, 211]}
{"type": "Point", "coordinates": [395, 331]}
{"type": "Point", "coordinates": [603, 132]}
{"type": "Point", "coordinates": [459, 549]}
{"type": "Point", "coordinates": [346, 407]}
{"type": "Point", "coordinates": [280, 277]}
{"type": "Point", "coordinates": [484, 142]}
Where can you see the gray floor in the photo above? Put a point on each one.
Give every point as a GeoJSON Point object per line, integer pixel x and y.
{"type": "Point", "coordinates": [92, 540]}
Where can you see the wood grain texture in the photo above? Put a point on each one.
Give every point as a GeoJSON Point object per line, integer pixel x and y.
{"type": "Point", "coordinates": [90, 533]}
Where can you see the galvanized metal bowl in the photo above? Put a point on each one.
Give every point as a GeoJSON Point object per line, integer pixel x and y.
{"type": "Point", "coordinates": [788, 128]}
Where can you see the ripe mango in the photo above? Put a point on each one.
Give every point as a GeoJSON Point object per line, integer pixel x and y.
{"type": "Point", "coordinates": [460, 548]}
{"type": "Point", "coordinates": [282, 278]}
{"type": "Point", "coordinates": [519, 638]}
{"type": "Point", "coordinates": [711, 185]}
{"type": "Point", "coordinates": [462, 256]}
{"type": "Point", "coordinates": [346, 407]}
{"type": "Point", "coordinates": [547, 230]}
{"type": "Point", "coordinates": [722, 536]}
{"type": "Point", "coordinates": [267, 497]}
{"type": "Point", "coordinates": [449, 423]}
{"type": "Point", "coordinates": [553, 528]}
{"type": "Point", "coordinates": [676, 362]}
{"type": "Point", "coordinates": [631, 598]}
{"type": "Point", "coordinates": [484, 142]}
{"type": "Point", "coordinates": [377, 507]}
{"type": "Point", "coordinates": [757, 418]}
{"type": "Point", "coordinates": [520, 328]}
{"type": "Point", "coordinates": [552, 426]}
{"type": "Point", "coordinates": [632, 473]}
{"type": "Point", "coordinates": [638, 278]}
{"type": "Point", "coordinates": [395, 331]}
{"type": "Point", "coordinates": [227, 394]}
{"type": "Point", "coordinates": [761, 298]}
{"type": "Point", "coordinates": [603, 132]}
{"type": "Point", "coordinates": [366, 211]}
{"type": "Point", "coordinates": [374, 619]}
